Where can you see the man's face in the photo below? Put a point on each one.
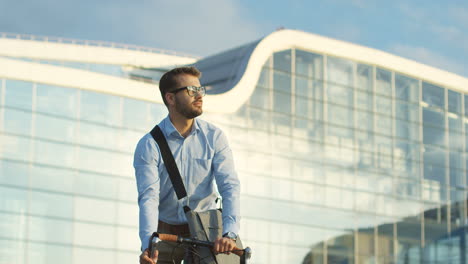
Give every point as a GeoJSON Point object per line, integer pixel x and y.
{"type": "Point", "coordinates": [188, 106]}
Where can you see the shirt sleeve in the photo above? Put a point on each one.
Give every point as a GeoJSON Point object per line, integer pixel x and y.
{"type": "Point", "coordinates": [228, 184]}
{"type": "Point", "coordinates": [146, 160]}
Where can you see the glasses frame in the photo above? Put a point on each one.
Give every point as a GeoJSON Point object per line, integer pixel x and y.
{"type": "Point", "coordinates": [196, 90]}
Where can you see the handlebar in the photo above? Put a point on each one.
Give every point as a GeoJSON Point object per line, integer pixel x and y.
{"type": "Point", "coordinates": [195, 242]}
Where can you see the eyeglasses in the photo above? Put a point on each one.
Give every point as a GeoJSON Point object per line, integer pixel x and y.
{"type": "Point", "coordinates": [192, 90]}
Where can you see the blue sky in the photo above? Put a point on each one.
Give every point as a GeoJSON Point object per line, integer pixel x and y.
{"type": "Point", "coordinates": [432, 32]}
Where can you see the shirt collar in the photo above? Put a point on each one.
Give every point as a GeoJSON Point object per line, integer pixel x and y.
{"type": "Point", "coordinates": [169, 129]}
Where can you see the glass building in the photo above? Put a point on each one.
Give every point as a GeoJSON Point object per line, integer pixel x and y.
{"type": "Point", "coordinates": [345, 154]}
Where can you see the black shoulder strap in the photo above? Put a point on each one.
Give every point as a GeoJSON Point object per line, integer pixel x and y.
{"type": "Point", "coordinates": [169, 162]}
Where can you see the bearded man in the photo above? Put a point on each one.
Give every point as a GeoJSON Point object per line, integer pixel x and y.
{"type": "Point", "coordinates": [203, 157]}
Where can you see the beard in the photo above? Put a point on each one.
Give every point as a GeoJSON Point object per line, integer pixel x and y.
{"type": "Point", "coordinates": [186, 110]}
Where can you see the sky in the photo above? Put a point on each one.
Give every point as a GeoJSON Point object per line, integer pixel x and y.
{"type": "Point", "coordinates": [433, 32]}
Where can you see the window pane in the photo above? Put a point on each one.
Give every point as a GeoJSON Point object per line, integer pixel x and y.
{"type": "Point", "coordinates": [433, 118]}
{"type": "Point", "coordinates": [17, 122]}
{"type": "Point", "coordinates": [261, 98]}
{"type": "Point", "coordinates": [13, 200]}
{"type": "Point", "coordinates": [383, 105]}
{"type": "Point", "coordinates": [340, 71]}
{"type": "Point", "coordinates": [135, 114]}
{"type": "Point", "coordinates": [282, 82]}
{"type": "Point", "coordinates": [101, 108]}
{"type": "Point", "coordinates": [466, 104]}
{"type": "Point", "coordinates": [454, 102]}
{"type": "Point", "coordinates": [18, 94]}
{"type": "Point", "coordinates": [341, 95]}
{"type": "Point", "coordinates": [406, 88]}
{"type": "Point", "coordinates": [47, 254]}
{"type": "Point", "coordinates": [384, 82]}
{"type": "Point", "coordinates": [264, 79]}
{"type": "Point", "coordinates": [98, 136]}
{"type": "Point", "coordinates": [157, 113]}
{"type": "Point", "coordinates": [50, 230]}
{"type": "Point", "coordinates": [48, 178]}
{"type": "Point", "coordinates": [57, 100]}
{"type": "Point", "coordinates": [96, 185]}
{"type": "Point", "coordinates": [282, 60]}
{"type": "Point", "coordinates": [309, 64]}
{"type": "Point", "coordinates": [363, 100]}
{"type": "Point", "coordinates": [364, 77]}
{"type": "Point", "coordinates": [409, 112]}
{"type": "Point", "coordinates": [49, 204]}
{"type": "Point", "coordinates": [91, 235]}
{"type": "Point", "coordinates": [14, 173]}
{"type": "Point", "coordinates": [340, 115]}
{"type": "Point", "coordinates": [282, 102]}
{"type": "Point", "coordinates": [433, 95]}
{"type": "Point", "coordinates": [55, 154]}
{"type": "Point", "coordinates": [12, 147]}
{"type": "Point", "coordinates": [55, 128]}
{"type": "Point", "coordinates": [94, 210]}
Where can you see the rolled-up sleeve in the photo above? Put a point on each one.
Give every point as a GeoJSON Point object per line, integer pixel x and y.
{"type": "Point", "coordinates": [145, 162]}
{"type": "Point", "coordinates": [228, 184]}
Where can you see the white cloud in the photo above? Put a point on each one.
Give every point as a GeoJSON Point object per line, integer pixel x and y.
{"type": "Point", "coordinates": [429, 57]}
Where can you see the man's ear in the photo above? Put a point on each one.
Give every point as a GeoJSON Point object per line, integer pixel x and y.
{"type": "Point", "coordinates": [170, 98]}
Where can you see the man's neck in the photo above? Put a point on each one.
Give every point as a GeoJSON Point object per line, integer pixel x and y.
{"type": "Point", "coordinates": [182, 124]}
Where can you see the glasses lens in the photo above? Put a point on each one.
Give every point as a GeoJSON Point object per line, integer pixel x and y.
{"type": "Point", "coordinates": [194, 90]}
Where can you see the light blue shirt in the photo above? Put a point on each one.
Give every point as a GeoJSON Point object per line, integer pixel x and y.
{"type": "Point", "coordinates": [202, 158]}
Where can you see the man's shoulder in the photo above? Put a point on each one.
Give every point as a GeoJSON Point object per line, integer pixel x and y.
{"type": "Point", "coordinates": [146, 142]}
{"type": "Point", "coordinates": [207, 126]}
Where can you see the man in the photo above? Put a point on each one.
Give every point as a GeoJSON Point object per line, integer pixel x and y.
{"type": "Point", "coordinates": [203, 156]}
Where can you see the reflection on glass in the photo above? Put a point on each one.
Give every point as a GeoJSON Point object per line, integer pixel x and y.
{"type": "Point", "coordinates": [282, 82]}
{"type": "Point", "coordinates": [282, 102]}
{"type": "Point", "coordinates": [282, 61]}
{"type": "Point", "coordinates": [49, 204]}
{"type": "Point", "coordinates": [57, 100]}
{"type": "Point", "coordinates": [264, 79]}
{"type": "Point", "coordinates": [433, 95]}
{"type": "Point", "coordinates": [309, 64]}
{"type": "Point", "coordinates": [364, 78]}
{"type": "Point", "coordinates": [261, 98]}
{"type": "Point", "coordinates": [17, 122]}
{"type": "Point", "coordinates": [340, 71]}
{"type": "Point", "coordinates": [14, 173]}
{"type": "Point", "coordinates": [50, 230]}
{"type": "Point", "coordinates": [45, 253]}
{"type": "Point", "coordinates": [15, 148]}
{"type": "Point", "coordinates": [340, 95]}
{"type": "Point", "coordinates": [454, 102]}
{"type": "Point", "coordinates": [134, 114]}
{"type": "Point", "coordinates": [49, 153]}
{"type": "Point", "coordinates": [383, 82]}
{"type": "Point", "coordinates": [104, 109]}
{"type": "Point", "coordinates": [55, 128]}
{"type": "Point", "coordinates": [18, 94]}
{"type": "Point", "coordinates": [406, 88]}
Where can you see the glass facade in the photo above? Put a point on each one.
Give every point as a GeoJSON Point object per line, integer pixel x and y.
{"type": "Point", "coordinates": [340, 162]}
{"type": "Point", "coordinates": [67, 190]}
{"type": "Point", "coordinates": [343, 162]}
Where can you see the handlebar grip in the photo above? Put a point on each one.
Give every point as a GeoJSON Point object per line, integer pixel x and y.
{"type": "Point", "coordinates": [168, 237]}
{"type": "Point", "coordinates": [238, 251]}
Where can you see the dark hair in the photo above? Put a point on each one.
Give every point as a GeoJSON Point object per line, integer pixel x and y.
{"type": "Point", "coordinates": [168, 81]}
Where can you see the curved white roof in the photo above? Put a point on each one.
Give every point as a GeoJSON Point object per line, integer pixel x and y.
{"type": "Point", "coordinates": [83, 51]}
{"type": "Point", "coordinates": [288, 39]}
{"type": "Point", "coordinates": [242, 74]}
